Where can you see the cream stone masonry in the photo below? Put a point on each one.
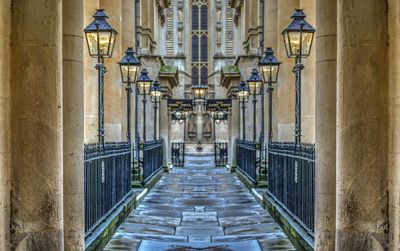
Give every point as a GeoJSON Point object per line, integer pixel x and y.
{"type": "Point", "coordinates": [394, 124]}
{"type": "Point", "coordinates": [362, 122]}
{"type": "Point", "coordinates": [325, 125]}
{"type": "Point", "coordinates": [285, 88]}
{"type": "Point", "coordinates": [37, 135]}
{"type": "Point", "coordinates": [113, 90]}
{"type": "Point", "coordinates": [5, 123]}
{"type": "Point", "coordinates": [308, 79]}
{"type": "Point", "coordinates": [73, 121]}
{"type": "Point", "coordinates": [127, 36]}
{"type": "Point", "coordinates": [90, 80]}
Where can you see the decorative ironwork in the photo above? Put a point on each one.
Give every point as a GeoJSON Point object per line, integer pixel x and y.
{"type": "Point", "coordinates": [152, 160]}
{"type": "Point", "coordinates": [178, 153]}
{"type": "Point", "coordinates": [291, 180]}
{"type": "Point", "coordinates": [107, 180]}
{"type": "Point", "coordinates": [221, 153]}
{"type": "Point", "coordinates": [247, 159]}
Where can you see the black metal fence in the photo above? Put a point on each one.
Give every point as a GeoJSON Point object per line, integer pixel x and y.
{"type": "Point", "coordinates": [221, 153]}
{"type": "Point", "coordinates": [178, 153]}
{"type": "Point", "coordinates": [246, 158]}
{"type": "Point", "coordinates": [291, 180]}
{"type": "Point", "coordinates": [152, 160]}
{"type": "Point", "coordinates": [107, 180]}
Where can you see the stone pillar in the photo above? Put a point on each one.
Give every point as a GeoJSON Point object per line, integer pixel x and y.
{"type": "Point", "coordinates": [235, 127]}
{"type": "Point", "coordinates": [164, 128]}
{"type": "Point", "coordinates": [285, 88]}
{"type": "Point", "coordinates": [5, 126]}
{"type": "Point", "coordinates": [113, 90]}
{"type": "Point", "coordinates": [362, 122]}
{"type": "Point", "coordinates": [308, 81]}
{"type": "Point", "coordinates": [90, 79]}
{"type": "Point", "coordinates": [73, 114]}
{"type": "Point", "coordinates": [37, 135]}
{"type": "Point", "coordinates": [394, 125]}
{"type": "Point", "coordinates": [128, 40]}
{"type": "Point", "coordinates": [325, 125]}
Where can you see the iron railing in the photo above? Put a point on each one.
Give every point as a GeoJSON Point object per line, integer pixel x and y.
{"type": "Point", "coordinates": [178, 153]}
{"type": "Point", "coordinates": [107, 180]}
{"type": "Point", "coordinates": [291, 180]}
{"type": "Point", "coordinates": [221, 153]}
{"type": "Point", "coordinates": [152, 160]}
{"type": "Point", "coordinates": [246, 159]}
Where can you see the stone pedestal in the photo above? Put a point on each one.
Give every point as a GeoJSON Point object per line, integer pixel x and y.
{"type": "Point", "coordinates": [37, 136]}
{"type": "Point", "coordinates": [362, 122]}
{"type": "Point", "coordinates": [5, 126]}
{"type": "Point", "coordinates": [73, 125]}
{"type": "Point", "coordinates": [325, 125]}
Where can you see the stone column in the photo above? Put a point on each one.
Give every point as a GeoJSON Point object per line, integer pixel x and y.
{"type": "Point", "coordinates": [285, 88]}
{"type": "Point", "coordinates": [5, 126]}
{"type": "Point", "coordinates": [113, 90]}
{"type": "Point", "coordinates": [325, 125]}
{"type": "Point", "coordinates": [37, 135]}
{"type": "Point", "coordinates": [235, 123]}
{"type": "Point", "coordinates": [308, 80]}
{"type": "Point", "coordinates": [362, 122]}
{"type": "Point", "coordinates": [128, 40]}
{"type": "Point", "coordinates": [394, 125]}
{"type": "Point", "coordinates": [90, 79]}
{"type": "Point", "coordinates": [73, 115]}
{"type": "Point", "coordinates": [163, 125]}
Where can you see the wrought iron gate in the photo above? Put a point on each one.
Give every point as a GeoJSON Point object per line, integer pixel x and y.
{"type": "Point", "coordinates": [178, 153]}
{"type": "Point", "coordinates": [221, 153]}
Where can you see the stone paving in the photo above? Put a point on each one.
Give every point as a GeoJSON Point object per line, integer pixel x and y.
{"type": "Point", "coordinates": [203, 208]}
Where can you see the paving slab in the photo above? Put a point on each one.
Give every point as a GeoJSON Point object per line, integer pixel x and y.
{"type": "Point", "coordinates": [199, 208]}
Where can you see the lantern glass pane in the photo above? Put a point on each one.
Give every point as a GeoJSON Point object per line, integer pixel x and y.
{"type": "Point", "coordinates": [105, 38]}
{"type": "Point", "coordinates": [144, 88]}
{"type": "Point", "coordinates": [270, 72]}
{"type": "Point", "coordinates": [155, 96]}
{"type": "Point", "coordinates": [254, 87]}
{"type": "Point", "coordinates": [243, 96]}
{"type": "Point", "coordinates": [131, 71]}
{"type": "Point", "coordinates": [294, 40]}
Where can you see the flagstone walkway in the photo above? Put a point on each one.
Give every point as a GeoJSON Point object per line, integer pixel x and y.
{"type": "Point", "coordinates": [204, 208]}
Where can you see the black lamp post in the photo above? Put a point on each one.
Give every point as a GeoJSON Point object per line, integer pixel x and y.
{"type": "Point", "coordinates": [143, 86]}
{"type": "Point", "coordinates": [243, 97]}
{"type": "Point", "coordinates": [100, 38]}
{"type": "Point", "coordinates": [255, 87]}
{"type": "Point", "coordinates": [156, 95]}
{"type": "Point", "coordinates": [269, 67]}
{"type": "Point", "coordinates": [129, 66]}
{"type": "Point", "coordinates": [298, 38]}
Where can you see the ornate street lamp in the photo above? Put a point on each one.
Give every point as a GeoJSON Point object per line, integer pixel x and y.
{"type": "Point", "coordinates": [129, 66]}
{"type": "Point", "coordinates": [243, 97]}
{"type": "Point", "coordinates": [156, 96]}
{"type": "Point", "coordinates": [143, 85]}
{"type": "Point", "coordinates": [255, 88]}
{"type": "Point", "coordinates": [269, 67]}
{"type": "Point", "coordinates": [298, 38]}
{"type": "Point", "coordinates": [100, 38]}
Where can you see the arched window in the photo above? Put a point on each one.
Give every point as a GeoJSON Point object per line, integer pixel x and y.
{"type": "Point", "coordinates": [199, 42]}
